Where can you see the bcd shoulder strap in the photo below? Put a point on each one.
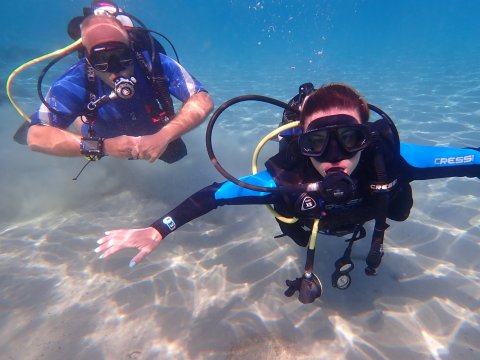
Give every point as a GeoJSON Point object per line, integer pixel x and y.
{"type": "Point", "coordinates": [91, 94]}
{"type": "Point", "coordinates": [155, 74]}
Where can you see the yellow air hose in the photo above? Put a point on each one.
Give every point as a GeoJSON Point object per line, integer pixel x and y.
{"type": "Point", "coordinates": [261, 144]}
{"type": "Point", "coordinates": [313, 235]}
{"type": "Point", "coordinates": [259, 147]}
{"type": "Point", "coordinates": [30, 63]}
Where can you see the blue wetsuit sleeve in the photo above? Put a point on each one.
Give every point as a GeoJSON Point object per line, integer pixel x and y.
{"type": "Point", "coordinates": [67, 95]}
{"type": "Point", "coordinates": [213, 196]}
{"type": "Point", "coordinates": [432, 162]}
{"type": "Point", "coordinates": [229, 190]}
{"type": "Point", "coordinates": [181, 83]}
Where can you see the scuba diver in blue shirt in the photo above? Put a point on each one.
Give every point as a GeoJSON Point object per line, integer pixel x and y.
{"type": "Point", "coordinates": [118, 94]}
{"type": "Point", "coordinates": [335, 171]}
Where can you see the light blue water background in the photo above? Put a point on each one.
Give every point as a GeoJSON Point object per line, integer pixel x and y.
{"type": "Point", "coordinates": [214, 289]}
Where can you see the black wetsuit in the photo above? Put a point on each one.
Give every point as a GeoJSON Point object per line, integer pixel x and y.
{"type": "Point", "coordinates": [412, 163]}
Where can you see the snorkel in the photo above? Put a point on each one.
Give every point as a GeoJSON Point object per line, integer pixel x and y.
{"type": "Point", "coordinates": [336, 187]}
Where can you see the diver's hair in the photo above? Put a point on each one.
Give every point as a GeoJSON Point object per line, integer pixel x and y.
{"type": "Point", "coordinates": [335, 95]}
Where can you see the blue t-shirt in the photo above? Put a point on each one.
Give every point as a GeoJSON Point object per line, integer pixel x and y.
{"type": "Point", "coordinates": [119, 116]}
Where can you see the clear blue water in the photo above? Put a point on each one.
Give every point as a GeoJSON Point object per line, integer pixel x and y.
{"type": "Point", "coordinates": [214, 289]}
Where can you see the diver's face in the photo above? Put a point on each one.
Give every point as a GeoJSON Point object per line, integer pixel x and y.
{"type": "Point", "coordinates": [346, 165]}
{"type": "Point", "coordinates": [109, 78]}
{"type": "Point", "coordinates": [110, 61]}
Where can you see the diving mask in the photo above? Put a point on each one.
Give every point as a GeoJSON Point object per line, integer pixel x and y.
{"type": "Point", "coordinates": [111, 57]}
{"type": "Point", "coordinates": [334, 138]}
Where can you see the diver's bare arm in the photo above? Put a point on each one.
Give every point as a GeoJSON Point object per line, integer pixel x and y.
{"type": "Point", "coordinates": [192, 114]}
{"type": "Point", "coordinates": [53, 141]}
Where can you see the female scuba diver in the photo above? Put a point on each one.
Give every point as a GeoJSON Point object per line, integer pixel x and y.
{"type": "Point", "coordinates": [338, 172]}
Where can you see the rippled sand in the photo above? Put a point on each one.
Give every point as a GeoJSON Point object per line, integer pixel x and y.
{"type": "Point", "coordinates": [214, 289]}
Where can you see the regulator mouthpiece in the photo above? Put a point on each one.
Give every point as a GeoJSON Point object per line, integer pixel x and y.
{"type": "Point", "coordinates": [124, 88]}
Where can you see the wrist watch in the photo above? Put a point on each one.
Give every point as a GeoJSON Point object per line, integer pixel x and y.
{"type": "Point", "coordinates": [92, 148]}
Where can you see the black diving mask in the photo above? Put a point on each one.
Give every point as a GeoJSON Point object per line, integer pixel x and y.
{"type": "Point", "coordinates": [334, 138]}
{"type": "Point", "coordinates": [111, 57]}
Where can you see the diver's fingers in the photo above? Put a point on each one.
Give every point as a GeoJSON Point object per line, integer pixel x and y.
{"type": "Point", "coordinates": [105, 243]}
{"type": "Point", "coordinates": [152, 160]}
{"type": "Point", "coordinates": [139, 257]}
{"type": "Point", "coordinates": [109, 235]}
{"type": "Point", "coordinates": [146, 156]}
{"type": "Point", "coordinates": [134, 154]}
{"type": "Point", "coordinates": [102, 240]}
{"type": "Point", "coordinates": [113, 237]}
{"type": "Point", "coordinates": [111, 250]}
{"type": "Point", "coordinates": [102, 247]}
{"type": "Point", "coordinates": [113, 233]}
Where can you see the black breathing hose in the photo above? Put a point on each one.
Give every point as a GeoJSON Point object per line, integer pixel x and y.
{"type": "Point", "coordinates": [225, 173]}
{"type": "Point", "coordinates": [40, 80]}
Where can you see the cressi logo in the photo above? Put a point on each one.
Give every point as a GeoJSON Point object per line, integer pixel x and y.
{"type": "Point", "coordinates": [454, 160]}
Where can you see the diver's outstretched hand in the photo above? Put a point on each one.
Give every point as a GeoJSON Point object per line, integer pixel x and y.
{"type": "Point", "coordinates": [145, 240]}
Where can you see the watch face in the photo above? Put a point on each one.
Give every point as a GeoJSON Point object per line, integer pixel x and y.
{"type": "Point", "coordinates": [89, 144]}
